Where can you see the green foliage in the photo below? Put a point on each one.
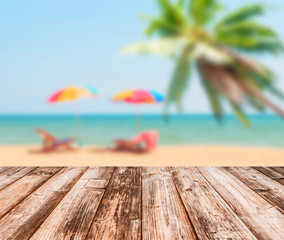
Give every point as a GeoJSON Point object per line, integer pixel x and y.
{"type": "Point", "coordinates": [181, 3]}
{"type": "Point", "coordinates": [179, 80]}
{"type": "Point", "coordinates": [256, 104]}
{"type": "Point", "coordinates": [163, 28]}
{"type": "Point", "coordinates": [170, 22]}
{"type": "Point", "coordinates": [246, 28]}
{"type": "Point", "coordinates": [241, 14]}
{"type": "Point", "coordinates": [249, 36]}
{"type": "Point", "coordinates": [252, 44]}
{"type": "Point", "coordinates": [240, 114]}
{"type": "Point", "coordinates": [203, 11]}
{"type": "Point", "coordinates": [261, 81]}
{"type": "Point", "coordinates": [228, 75]}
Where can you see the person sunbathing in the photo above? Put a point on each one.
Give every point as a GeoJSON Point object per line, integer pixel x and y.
{"type": "Point", "coordinates": [51, 143]}
{"type": "Point", "coordinates": [145, 141]}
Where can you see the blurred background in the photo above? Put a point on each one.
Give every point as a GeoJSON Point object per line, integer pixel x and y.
{"type": "Point", "coordinates": [48, 45]}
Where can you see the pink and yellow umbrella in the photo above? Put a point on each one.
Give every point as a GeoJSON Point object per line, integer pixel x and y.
{"type": "Point", "coordinates": [73, 93]}
{"type": "Point", "coordinates": [139, 96]}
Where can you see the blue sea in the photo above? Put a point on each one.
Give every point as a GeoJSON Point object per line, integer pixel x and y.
{"type": "Point", "coordinates": [266, 130]}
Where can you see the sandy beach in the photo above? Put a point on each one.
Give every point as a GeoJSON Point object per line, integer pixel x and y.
{"type": "Point", "coordinates": [181, 155]}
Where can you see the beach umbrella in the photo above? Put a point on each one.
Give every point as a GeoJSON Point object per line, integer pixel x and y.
{"type": "Point", "coordinates": [138, 97]}
{"type": "Point", "coordinates": [73, 93]}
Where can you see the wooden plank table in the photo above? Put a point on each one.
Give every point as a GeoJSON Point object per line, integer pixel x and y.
{"type": "Point", "coordinates": [158, 203]}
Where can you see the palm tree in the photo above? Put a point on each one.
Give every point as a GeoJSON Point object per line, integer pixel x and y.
{"type": "Point", "coordinates": [186, 30]}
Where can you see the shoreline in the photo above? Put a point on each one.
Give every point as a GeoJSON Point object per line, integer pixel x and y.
{"type": "Point", "coordinates": [165, 155]}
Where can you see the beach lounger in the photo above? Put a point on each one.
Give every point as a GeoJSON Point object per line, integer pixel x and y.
{"type": "Point", "coordinates": [145, 141]}
{"type": "Point", "coordinates": [51, 143]}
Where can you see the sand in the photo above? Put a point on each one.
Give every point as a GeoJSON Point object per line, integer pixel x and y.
{"type": "Point", "coordinates": [182, 155]}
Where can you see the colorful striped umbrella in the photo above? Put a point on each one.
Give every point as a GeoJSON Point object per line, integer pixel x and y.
{"type": "Point", "coordinates": [139, 96]}
{"type": "Point", "coordinates": [73, 93]}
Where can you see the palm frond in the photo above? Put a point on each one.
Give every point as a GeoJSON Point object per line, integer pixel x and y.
{"type": "Point", "coordinates": [225, 74]}
{"type": "Point", "coordinates": [181, 3]}
{"type": "Point", "coordinates": [245, 29]}
{"type": "Point", "coordinates": [170, 22]}
{"type": "Point", "coordinates": [242, 14]}
{"type": "Point", "coordinates": [256, 104]}
{"type": "Point", "coordinates": [255, 73]}
{"type": "Point", "coordinates": [180, 78]}
{"type": "Point", "coordinates": [246, 63]}
{"type": "Point", "coordinates": [163, 28]}
{"type": "Point", "coordinates": [238, 31]}
{"type": "Point", "coordinates": [210, 53]}
{"type": "Point", "coordinates": [240, 114]}
{"type": "Point", "coordinates": [164, 47]}
{"type": "Point", "coordinates": [252, 44]}
{"type": "Point", "coordinates": [171, 12]}
{"type": "Point", "coordinates": [262, 82]}
{"type": "Point", "coordinates": [212, 95]}
{"type": "Point", "coordinates": [257, 94]}
{"type": "Point", "coordinates": [202, 11]}
{"type": "Point", "coordinates": [222, 80]}
{"type": "Point", "coordinates": [253, 78]}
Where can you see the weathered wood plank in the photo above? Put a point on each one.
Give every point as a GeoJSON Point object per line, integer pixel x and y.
{"type": "Point", "coordinates": [23, 220]}
{"type": "Point", "coordinates": [164, 216]}
{"type": "Point", "coordinates": [279, 169]}
{"type": "Point", "coordinates": [260, 216]}
{"type": "Point", "coordinates": [270, 172]}
{"type": "Point", "coordinates": [119, 214]}
{"type": "Point", "coordinates": [210, 215]}
{"type": "Point", "coordinates": [3, 169]}
{"type": "Point", "coordinates": [17, 191]}
{"type": "Point", "coordinates": [13, 174]}
{"type": "Point", "coordinates": [73, 216]}
{"type": "Point", "coordinates": [264, 186]}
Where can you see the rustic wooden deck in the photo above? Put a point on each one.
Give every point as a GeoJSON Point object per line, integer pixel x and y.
{"type": "Point", "coordinates": [153, 203]}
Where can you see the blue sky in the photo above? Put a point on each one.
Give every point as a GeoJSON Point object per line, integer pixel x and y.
{"type": "Point", "coordinates": [47, 45]}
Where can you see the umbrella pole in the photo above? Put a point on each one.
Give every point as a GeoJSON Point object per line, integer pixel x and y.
{"type": "Point", "coordinates": [138, 119]}
{"type": "Point", "coordinates": [78, 127]}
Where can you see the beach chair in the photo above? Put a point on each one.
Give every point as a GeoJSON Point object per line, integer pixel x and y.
{"type": "Point", "coordinates": [51, 143]}
{"type": "Point", "coordinates": [145, 141]}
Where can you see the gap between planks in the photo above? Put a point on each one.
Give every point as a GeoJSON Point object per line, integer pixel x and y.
{"type": "Point", "coordinates": [72, 218]}
{"type": "Point", "coordinates": [24, 219]}
{"type": "Point", "coordinates": [210, 215]}
{"type": "Point", "coordinates": [259, 216]}
{"type": "Point", "coordinates": [16, 192]}
{"type": "Point", "coordinates": [270, 190]}
{"type": "Point", "coordinates": [118, 215]}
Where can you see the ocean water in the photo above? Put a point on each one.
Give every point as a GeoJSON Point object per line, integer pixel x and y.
{"type": "Point", "coordinates": [266, 130]}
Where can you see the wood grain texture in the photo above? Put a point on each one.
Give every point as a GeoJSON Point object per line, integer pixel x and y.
{"type": "Point", "coordinates": [3, 169]}
{"type": "Point", "coordinates": [272, 173]}
{"type": "Point", "coordinates": [260, 216]}
{"type": "Point", "coordinates": [157, 203]}
{"type": "Point", "coordinates": [23, 220]}
{"type": "Point", "coordinates": [12, 175]}
{"type": "Point", "coordinates": [210, 215]}
{"type": "Point", "coordinates": [119, 214]}
{"type": "Point", "coordinates": [17, 191]}
{"type": "Point", "coordinates": [264, 186]}
{"type": "Point", "coordinates": [72, 218]}
{"type": "Point", "coordinates": [164, 216]}
{"type": "Point", "coordinates": [279, 169]}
